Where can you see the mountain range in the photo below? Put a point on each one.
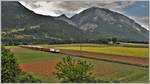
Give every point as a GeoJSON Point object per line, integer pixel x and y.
{"type": "Point", "coordinates": [22, 25]}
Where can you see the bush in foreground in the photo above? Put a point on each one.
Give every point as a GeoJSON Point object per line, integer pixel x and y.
{"type": "Point", "coordinates": [10, 72]}
{"type": "Point", "coordinates": [10, 69]}
{"type": "Point", "coordinates": [75, 71]}
{"type": "Point", "coordinates": [27, 78]}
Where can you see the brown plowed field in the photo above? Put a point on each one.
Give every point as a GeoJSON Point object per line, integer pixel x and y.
{"type": "Point", "coordinates": [40, 67]}
{"type": "Point", "coordinates": [108, 57]}
{"type": "Point", "coordinates": [47, 67]}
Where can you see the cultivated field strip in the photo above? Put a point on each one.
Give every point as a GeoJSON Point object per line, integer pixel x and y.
{"type": "Point", "coordinates": [144, 62]}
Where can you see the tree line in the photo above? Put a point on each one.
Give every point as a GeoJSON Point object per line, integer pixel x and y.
{"type": "Point", "coordinates": [109, 40]}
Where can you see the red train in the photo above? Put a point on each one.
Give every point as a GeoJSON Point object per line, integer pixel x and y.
{"type": "Point", "coordinates": [54, 50]}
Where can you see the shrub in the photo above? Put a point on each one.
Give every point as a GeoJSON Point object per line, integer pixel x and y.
{"type": "Point", "coordinates": [70, 70]}
{"type": "Point", "coordinates": [27, 78]}
{"type": "Point", "coordinates": [10, 70]}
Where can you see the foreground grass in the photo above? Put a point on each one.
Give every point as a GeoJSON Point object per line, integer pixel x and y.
{"type": "Point", "coordinates": [108, 49]}
{"type": "Point", "coordinates": [103, 69]}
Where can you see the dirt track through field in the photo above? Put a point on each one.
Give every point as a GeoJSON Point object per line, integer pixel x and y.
{"type": "Point", "coordinates": [108, 57]}
{"type": "Point", "coordinates": [137, 61]}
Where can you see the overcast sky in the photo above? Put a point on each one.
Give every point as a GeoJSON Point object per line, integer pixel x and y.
{"type": "Point", "coordinates": [137, 10]}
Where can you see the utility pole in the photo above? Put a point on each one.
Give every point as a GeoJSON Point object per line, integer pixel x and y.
{"type": "Point", "coordinates": [80, 46]}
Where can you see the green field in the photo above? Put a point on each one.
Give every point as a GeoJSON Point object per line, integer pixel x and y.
{"type": "Point", "coordinates": [128, 50]}
{"type": "Point", "coordinates": [103, 69]}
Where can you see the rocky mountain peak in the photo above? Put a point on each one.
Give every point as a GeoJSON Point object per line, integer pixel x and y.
{"type": "Point", "coordinates": [92, 23]}
{"type": "Point", "coordinates": [63, 16]}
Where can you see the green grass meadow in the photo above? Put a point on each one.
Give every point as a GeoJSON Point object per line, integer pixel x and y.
{"type": "Point", "coordinates": [102, 69]}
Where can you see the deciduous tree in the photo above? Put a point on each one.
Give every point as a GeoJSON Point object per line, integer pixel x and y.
{"type": "Point", "coordinates": [9, 67]}
{"type": "Point", "coordinates": [71, 70]}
